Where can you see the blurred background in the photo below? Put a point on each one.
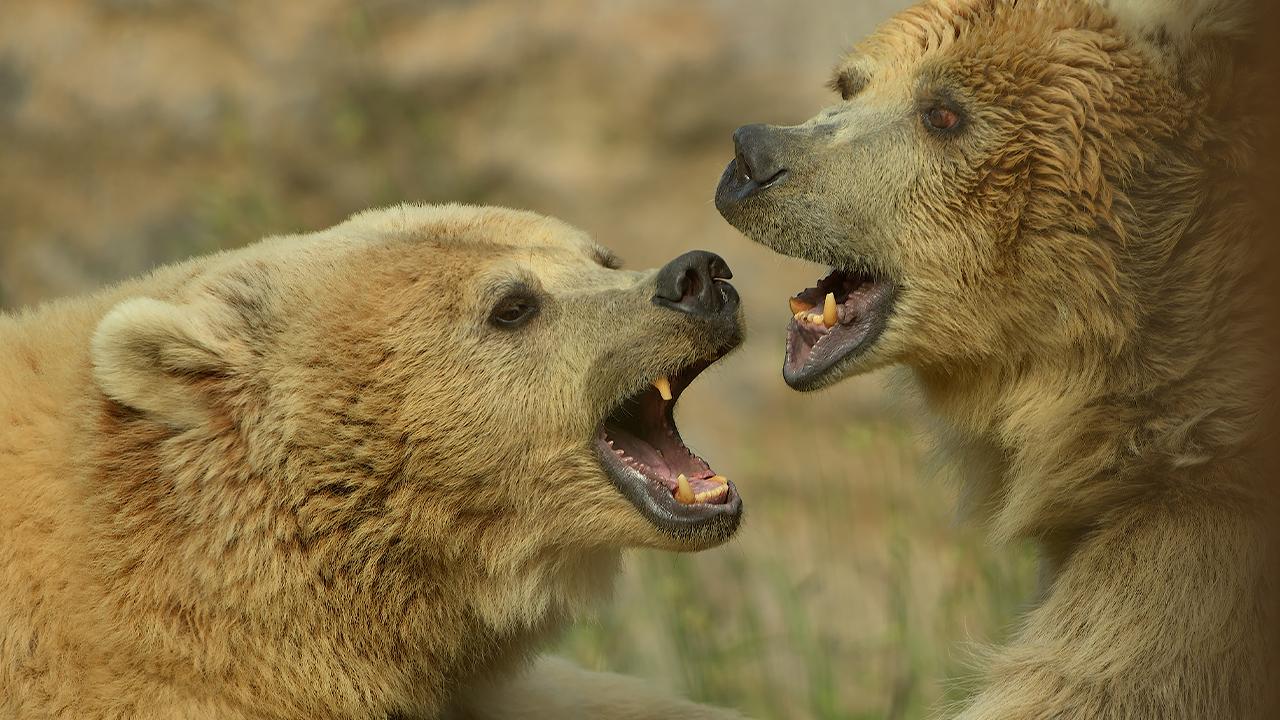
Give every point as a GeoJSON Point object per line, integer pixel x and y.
{"type": "Point", "coordinates": [138, 132]}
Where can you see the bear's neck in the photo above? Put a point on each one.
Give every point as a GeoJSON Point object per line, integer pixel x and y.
{"type": "Point", "coordinates": [209, 572]}
{"type": "Point", "coordinates": [1048, 444]}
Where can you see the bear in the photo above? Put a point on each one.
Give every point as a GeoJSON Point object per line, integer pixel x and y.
{"type": "Point", "coordinates": [1036, 215]}
{"type": "Point", "coordinates": [366, 472]}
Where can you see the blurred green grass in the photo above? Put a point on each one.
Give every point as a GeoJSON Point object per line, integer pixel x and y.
{"type": "Point", "coordinates": [851, 593]}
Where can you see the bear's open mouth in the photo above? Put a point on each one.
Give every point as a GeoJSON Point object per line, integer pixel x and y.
{"type": "Point", "coordinates": [640, 448]}
{"type": "Point", "coordinates": [841, 317]}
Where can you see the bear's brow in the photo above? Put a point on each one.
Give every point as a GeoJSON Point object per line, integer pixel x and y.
{"type": "Point", "coordinates": [515, 282]}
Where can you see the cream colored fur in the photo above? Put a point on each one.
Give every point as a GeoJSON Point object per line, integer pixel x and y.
{"type": "Point", "coordinates": [307, 479]}
{"type": "Point", "coordinates": [555, 689]}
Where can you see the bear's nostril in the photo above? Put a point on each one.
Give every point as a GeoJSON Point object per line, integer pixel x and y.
{"type": "Point", "coordinates": [688, 284]}
{"type": "Point", "coordinates": [691, 285]}
{"type": "Point", "coordinates": [744, 167]}
{"type": "Point", "coordinates": [759, 153]}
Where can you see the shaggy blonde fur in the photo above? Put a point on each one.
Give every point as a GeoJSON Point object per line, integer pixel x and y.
{"type": "Point", "coordinates": [287, 481]}
{"type": "Point", "coordinates": [1077, 309]}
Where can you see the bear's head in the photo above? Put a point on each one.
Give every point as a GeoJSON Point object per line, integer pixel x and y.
{"type": "Point", "coordinates": [418, 382]}
{"type": "Point", "coordinates": [1001, 184]}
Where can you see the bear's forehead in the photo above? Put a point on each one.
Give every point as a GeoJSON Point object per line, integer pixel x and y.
{"type": "Point", "coordinates": [484, 245]}
{"type": "Point", "coordinates": [939, 24]}
{"type": "Point", "coordinates": [471, 227]}
{"type": "Point", "coordinates": [470, 233]}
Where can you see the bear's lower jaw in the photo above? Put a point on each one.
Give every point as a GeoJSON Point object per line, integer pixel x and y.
{"type": "Point", "coordinates": [640, 449]}
{"type": "Point", "coordinates": [697, 524]}
{"type": "Point", "coordinates": [836, 321]}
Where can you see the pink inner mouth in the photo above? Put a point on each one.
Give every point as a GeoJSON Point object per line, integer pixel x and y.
{"type": "Point", "coordinates": [810, 342]}
{"type": "Point", "coordinates": [643, 436]}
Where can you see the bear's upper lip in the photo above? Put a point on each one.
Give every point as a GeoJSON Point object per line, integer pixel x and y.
{"type": "Point", "coordinates": [641, 450]}
{"type": "Point", "coordinates": [839, 318]}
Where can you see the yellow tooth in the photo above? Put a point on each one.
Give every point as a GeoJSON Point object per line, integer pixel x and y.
{"type": "Point", "coordinates": [830, 316]}
{"type": "Point", "coordinates": [720, 479]}
{"type": "Point", "coordinates": [799, 306]}
{"type": "Point", "coordinates": [684, 491]}
{"type": "Point", "coordinates": [664, 387]}
{"type": "Point", "coordinates": [711, 494]}
{"type": "Point", "coordinates": [815, 319]}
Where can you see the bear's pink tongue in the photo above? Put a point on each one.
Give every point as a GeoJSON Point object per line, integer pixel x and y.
{"type": "Point", "coordinates": [638, 452]}
{"type": "Point", "coordinates": [686, 475]}
{"type": "Point", "coordinates": [643, 436]}
{"type": "Point", "coordinates": [828, 314]}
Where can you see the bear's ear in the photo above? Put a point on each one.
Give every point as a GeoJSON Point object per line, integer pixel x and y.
{"type": "Point", "coordinates": [1190, 32]}
{"type": "Point", "coordinates": [1185, 23]}
{"type": "Point", "coordinates": [1208, 45]}
{"type": "Point", "coordinates": [158, 357]}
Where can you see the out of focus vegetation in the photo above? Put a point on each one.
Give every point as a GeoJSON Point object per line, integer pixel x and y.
{"type": "Point", "coordinates": [136, 132]}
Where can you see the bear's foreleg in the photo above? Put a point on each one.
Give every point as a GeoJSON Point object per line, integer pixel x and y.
{"type": "Point", "coordinates": [1156, 615]}
{"type": "Point", "coordinates": [555, 689]}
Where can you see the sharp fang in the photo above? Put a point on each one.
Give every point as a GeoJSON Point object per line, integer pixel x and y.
{"type": "Point", "coordinates": [664, 387]}
{"type": "Point", "coordinates": [799, 307]}
{"type": "Point", "coordinates": [720, 479]}
{"type": "Point", "coordinates": [711, 494]}
{"type": "Point", "coordinates": [830, 311]}
{"type": "Point", "coordinates": [684, 491]}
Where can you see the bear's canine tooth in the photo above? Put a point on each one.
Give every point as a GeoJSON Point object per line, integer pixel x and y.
{"type": "Point", "coordinates": [720, 479]}
{"type": "Point", "coordinates": [799, 307]}
{"type": "Point", "coordinates": [664, 387]}
{"type": "Point", "coordinates": [711, 494]}
{"type": "Point", "coordinates": [684, 491]}
{"type": "Point", "coordinates": [830, 311]}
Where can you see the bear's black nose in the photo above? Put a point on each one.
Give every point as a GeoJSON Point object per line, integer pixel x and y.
{"type": "Point", "coordinates": [759, 163]}
{"type": "Point", "coordinates": [692, 283]}
{"type": "Point", "coordinates": [757, 148]}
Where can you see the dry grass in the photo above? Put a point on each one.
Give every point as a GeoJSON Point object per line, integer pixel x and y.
{"type": "Point", "coordinates": [134, 132]}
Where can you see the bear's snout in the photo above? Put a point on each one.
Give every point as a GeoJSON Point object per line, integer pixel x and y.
{"type": "Point", "coordinates": [758, 164]}
{"type": "Point", "coordinates": [696, 283]}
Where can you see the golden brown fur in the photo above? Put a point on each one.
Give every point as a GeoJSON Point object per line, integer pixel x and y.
{"type": "Point", "coordinates": [1077, 313]}
{"type": "Point", "coordinates": [282, 482]}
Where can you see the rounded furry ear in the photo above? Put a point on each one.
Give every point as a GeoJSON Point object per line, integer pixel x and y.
{"type": "Point", "coordinates": [1185, 29]}
{"type": "Point", "coordinates": [1185, 19]}
{"type": "Point", "coordinates": [153, 356]}
{"type": "Point", "coordinates": [1208, 45]}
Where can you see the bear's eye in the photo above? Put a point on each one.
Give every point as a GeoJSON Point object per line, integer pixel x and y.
{"type": "Point", "coordinates": [514, 311]}
{"type": "Point", "coordinates": [941, 118]}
